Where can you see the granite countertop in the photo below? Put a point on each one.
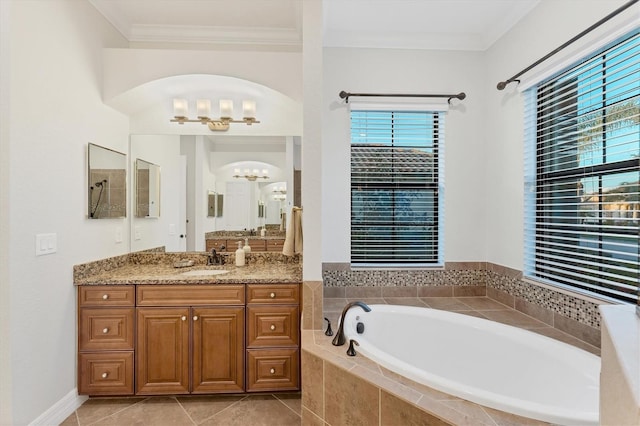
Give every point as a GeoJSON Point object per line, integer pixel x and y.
{"type": "Point", "coordinates": [158, 269]}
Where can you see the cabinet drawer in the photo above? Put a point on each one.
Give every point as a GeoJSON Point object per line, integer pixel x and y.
{"type": "Point", "coordinates": [106, 329]}
{"type": "Point", "coordinates": [101, 295]}
{"type": "Point", "coordinates": [273, 369]}
{"type": "Point", "coordinates": [275, 245]}
{"type": "Point", "coordinates": [272, 326]}
{"type": "Point", "coordinates": [189, 295]}
{"type": "Point", "coordinates": [106, 373]}
{"type": "Point", "coordinates": [273, 293]}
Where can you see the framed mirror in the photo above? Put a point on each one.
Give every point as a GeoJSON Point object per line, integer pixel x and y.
{"type": "Point", "coordinates": [107, 185]}
{"type": "Point", "coordinates": [147, 184]}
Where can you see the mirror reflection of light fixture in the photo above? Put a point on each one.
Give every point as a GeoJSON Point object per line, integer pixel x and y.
{"type": "Point", "coordinates": [279, 193]}
{"type": "Point", "coordinates": [251, 175]}
{"type": "Point", "coordinates": [203, 111]}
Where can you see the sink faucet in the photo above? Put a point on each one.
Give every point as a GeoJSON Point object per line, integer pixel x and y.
{"type": "Point", "coordinates": [216, 258]}
{"type": "Point", "coordinates": [340, 339]}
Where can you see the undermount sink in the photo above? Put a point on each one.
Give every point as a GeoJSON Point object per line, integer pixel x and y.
{"type": "Point", "coordinates": [204, 272]}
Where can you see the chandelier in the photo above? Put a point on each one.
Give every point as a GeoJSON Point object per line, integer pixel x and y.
{"type": "Point", "coordinates": [251, 176]}
{"type": "Point", "coordinates": [203, 110]}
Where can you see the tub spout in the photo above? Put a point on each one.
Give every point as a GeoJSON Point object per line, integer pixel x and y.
{"type": "Point", "coordinates": [340, 339]}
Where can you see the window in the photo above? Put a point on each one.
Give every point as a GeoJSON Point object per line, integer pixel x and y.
{"type": "Point", "coordinates": [583, 195]}
{"type": "Point", "coordinates": [396, 159]}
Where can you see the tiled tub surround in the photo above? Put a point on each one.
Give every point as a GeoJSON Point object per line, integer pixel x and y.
{"type": "Point", "coordinates": [569, 314]}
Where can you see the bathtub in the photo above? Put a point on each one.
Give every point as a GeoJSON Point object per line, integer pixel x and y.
{"type": "Point", "coordinates": [489, 363]}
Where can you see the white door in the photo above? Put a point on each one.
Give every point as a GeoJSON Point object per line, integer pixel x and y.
{"type": "Point", "coordinates": [182, 206]}
{"type": "Point", "coordinates": [236, 205]}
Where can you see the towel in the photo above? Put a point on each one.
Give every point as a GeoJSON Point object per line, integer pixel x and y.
{"type": "Point", "coordinates": [293, 240]}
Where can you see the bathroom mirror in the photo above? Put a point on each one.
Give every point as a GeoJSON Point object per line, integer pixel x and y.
{"type": "Point", "coordinates": [147, 185]}
{"type": "Point", "coordinates": [107, 185]}
{"type": "Point", "coordinates": [201, 191]}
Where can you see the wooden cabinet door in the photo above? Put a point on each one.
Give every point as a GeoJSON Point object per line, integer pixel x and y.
{"type": "Point", "coordinates": [162, 351]}
{"type": "Point", "coordinates": [218, 349]}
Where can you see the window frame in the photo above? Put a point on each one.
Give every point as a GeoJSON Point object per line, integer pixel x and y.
{"type": "Point", "coordinates": [434, 186]}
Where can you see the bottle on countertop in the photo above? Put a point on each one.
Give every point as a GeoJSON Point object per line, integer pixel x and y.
{"type": "Point", "coordinates": [247, 247]}
{"type": "Point", "coordinates": [263, 232]}
{"type": "Point", "coordinates": [240, 255]}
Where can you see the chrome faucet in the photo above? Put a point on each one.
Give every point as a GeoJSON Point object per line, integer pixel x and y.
{"type": "Point", "coordinates": [340, 339]}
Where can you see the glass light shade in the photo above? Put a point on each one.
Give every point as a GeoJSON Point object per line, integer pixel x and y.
{"type": "Point", "coordinates": [246, 171]}
{"type": "Point", "coordinates": [180, 108]}
{"type": "Point", "coordinates": [265, 172]}
{"type": "Point", "coordinates": [203, 106]}
{"type": "Point", "coordinates": [249, 109]}
{"type": "Point", "coordinates": [226, 108]}
{"type": "Point", "coordinates": [236, 171]}
{"type": "Point", "coordinates": [256, 171]}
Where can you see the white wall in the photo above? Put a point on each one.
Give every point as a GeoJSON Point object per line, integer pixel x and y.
{"type": "Point", "coordinates": [164, 151]}
{"type": "Point", "coordinates": [55, 110]}
{"type": "Point", "coordinates": [548, 26]}
{"type": "Point", "coordinates": [408, 71]}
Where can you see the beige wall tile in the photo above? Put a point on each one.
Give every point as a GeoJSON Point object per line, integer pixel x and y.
{"type": "Point", "coordinates": [349, 400]}
{"type": "Point", "coordinates": [312, 383]}
{"type": "Point", "coordinates": [581, 331]}
{"type": "Point", "coordinates": [394, 411]}
{"type": "Point", "coordinates": [533, 310]}
{"type": "Point", "coordinates": [404, 291]}
{"type": "Point", "coordinates": [469, 290]}
{"type": "Point", "coordinates": [363, 292]}
{"type": "Point", "coordinates": [501, 296]}
{"type": "Point", "coordinates": [435, 291]}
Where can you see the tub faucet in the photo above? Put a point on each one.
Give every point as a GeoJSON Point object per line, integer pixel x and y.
{"type": "Point", "coordinates": [340, 339]}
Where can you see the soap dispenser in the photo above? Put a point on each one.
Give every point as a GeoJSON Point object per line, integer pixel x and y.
{"type": "Point", "coordinates": [240, 255]}
{"type": "Point", "coordinates": [247, 247]}
{"type": "Point", "coordinates": [263, 232]}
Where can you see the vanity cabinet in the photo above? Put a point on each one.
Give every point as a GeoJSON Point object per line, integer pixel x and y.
{"type": "Point", "coordinates": [106, 340]}
{"type": "Point", "coordinates": [273, 337]}
{"type": "Point", "coordinates": [190, 339]}
{"type": "Point", "coordinates": [170, 339]}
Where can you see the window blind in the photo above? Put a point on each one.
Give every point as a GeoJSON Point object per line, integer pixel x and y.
{"type": "Point", "coordinates": [396, 159]}
{"type": "Point", "coordinates": [583, 174]}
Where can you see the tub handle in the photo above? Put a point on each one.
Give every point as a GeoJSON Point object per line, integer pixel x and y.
{"type": "Point", "coordinates": [351, 351]}
{"type": "Point", "coordinates": [328, 331]}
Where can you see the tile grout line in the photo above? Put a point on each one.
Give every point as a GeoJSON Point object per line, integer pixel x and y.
{"type": "Point", "coordinates": [114, 413]}
{"type": "Point", "coordinates": [283, 403]}
{"type": "Point", "coordinates": [225, 408]}
{"type": "Point", "coordinates": [183, 409]}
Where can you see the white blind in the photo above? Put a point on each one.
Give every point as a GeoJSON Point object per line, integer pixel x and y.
{"type": "Point", "coordinates": [583, 175]}
{"type": "Point", "coordinates": [395, 197]}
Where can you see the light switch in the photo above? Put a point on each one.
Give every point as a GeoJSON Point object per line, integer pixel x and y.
{"type": "Point", "coordinates": [46, 244]}
{"type": "Point", "coordinates": [118, 234]}
{"type": "Point", "coordinates": [137, 233]}
{"type": "Point", "coordinates": [172, 229]}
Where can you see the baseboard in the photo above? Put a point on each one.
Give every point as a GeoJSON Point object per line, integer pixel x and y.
{"type": "Point", "coordinates": [62, 409]}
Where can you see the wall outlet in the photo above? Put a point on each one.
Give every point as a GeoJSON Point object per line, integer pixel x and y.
{"type": "Point", "coordinates": [137, 233]}
{"type": "Point", "coordinates": [46, 244]}
{"type": "Point", "coordinates": [118, 234]}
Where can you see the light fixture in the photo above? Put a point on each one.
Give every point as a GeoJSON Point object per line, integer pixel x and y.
{"type": "Point", "coordinates": [279, 193]}
{"type": "Point", "coordinates": [250, 175]}
{"type": "Point", "coordinates": [203, 110]}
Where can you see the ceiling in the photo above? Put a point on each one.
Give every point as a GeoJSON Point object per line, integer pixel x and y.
{"type": "Point", "coordinates": [415, 24]}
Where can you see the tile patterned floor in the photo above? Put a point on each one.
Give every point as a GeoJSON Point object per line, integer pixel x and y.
{"type": "Point", "coordinates": [227, 410]}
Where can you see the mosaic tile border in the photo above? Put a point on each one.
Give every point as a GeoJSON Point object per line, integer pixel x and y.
{"type": "Point", "coordinates": [508, 281]}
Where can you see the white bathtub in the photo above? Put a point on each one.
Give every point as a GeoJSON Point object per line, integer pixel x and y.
{"type": "Point", "coordinates": [489, 363]}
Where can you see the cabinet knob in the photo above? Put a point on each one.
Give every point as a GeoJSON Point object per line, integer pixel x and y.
{"type": "Point", "coordinates": [105, 375]}
{"type": "Point", "coordinates": [105, 330]}
{"type": "Point", "coordinates": [184, 318]}
{"type": "Point", "coordinates": [105, 296]}
{"type": "Point", "coordinates": [272, 371]}
{"type": "Point", "coordinates": [272, 295]}
{"type": "Point", "coordinates": [273, 327]}
{"type": "Point", "coordinates": [195, 318]}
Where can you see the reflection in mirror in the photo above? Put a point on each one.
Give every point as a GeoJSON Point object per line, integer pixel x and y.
{"type": "Point", "coordinates": [214, 204]}
{"type": "Point", "coordinates": [147, 189]}
{"type": "Point", "coordinates": [194, 168]}
{"type": "Point", "coordinates": [107, 173]}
